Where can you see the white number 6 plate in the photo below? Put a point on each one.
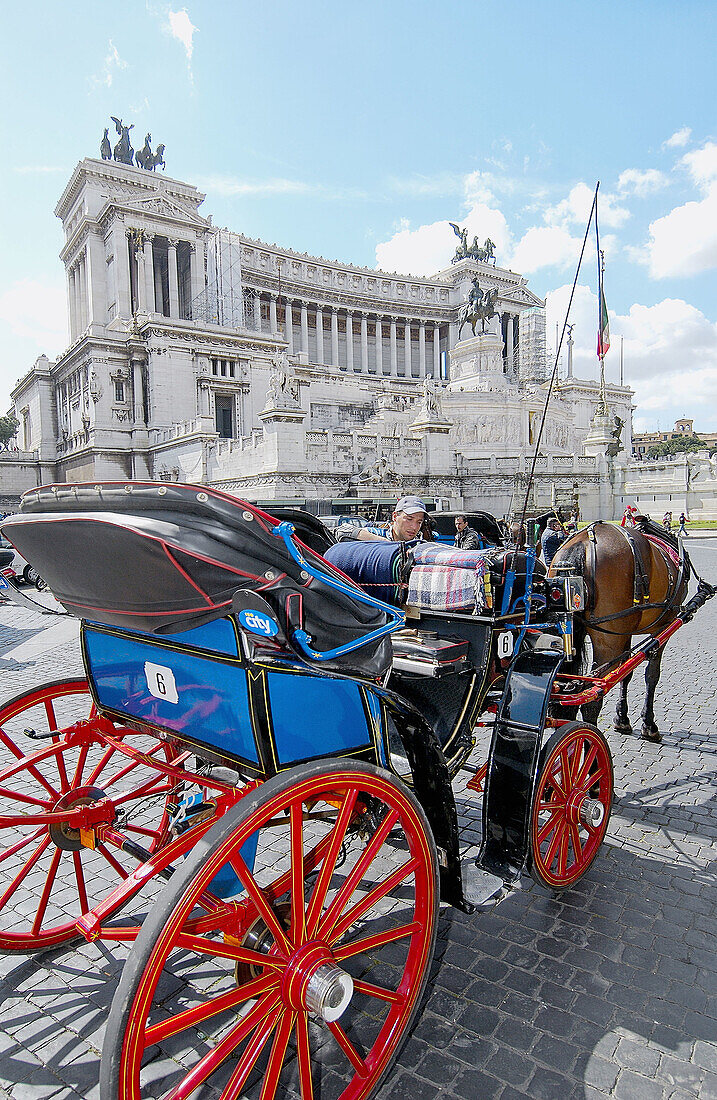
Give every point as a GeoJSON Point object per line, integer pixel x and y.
{"type": "Point", "coordinates": [505, 644]}
{"type": "Point", "coordinates": [161, 683]}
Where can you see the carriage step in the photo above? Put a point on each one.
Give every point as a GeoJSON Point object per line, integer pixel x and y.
{"type": "Point", "coordinates": [481, 888]}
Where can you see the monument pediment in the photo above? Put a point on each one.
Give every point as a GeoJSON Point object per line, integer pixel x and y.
{"type": "Point", "coordinates": [159, 205]}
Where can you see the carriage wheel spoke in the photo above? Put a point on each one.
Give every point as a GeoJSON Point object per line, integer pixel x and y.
{"type": "Point", "coordinates": [356, 947]}
{"type": "Point", "coordinates": [555, 842]}
{"type": "Point", "coordinates": [366, 858]}
{"type": "Point", "coordinates": [22, 843]}
{"type": "Point", "coordinates": [204, 946]}
{"type": "Point", "coordinates": [45, 895]}
{"type": "Point", "coordinates": [549, 825]}
{"type": "Point", "coordinates": [276, 1057]}
{"type": "Point", "coordinates": [264, 906]}
{"type": "Point", "coordinates": [80, 880]}
{"type": "Point", "coordinates": [27, 799]}
{"type": "Point", "coordinates": [563, 850]}
{"type": "Point", "coordinates": [24, 871]}
{"type": "Point", "coordinates": [298, 899]}
{"type": "Point", "coordinates": [106, 755]}
{"type": "Point", "coordinates": [114, 863]}
{"type": "Point", "coordinates": [303, 1049]}
{"type": "Point", "coordinates": [348, 1048]}
{"type": "Point", "coordinates": [264, 1010]}
{"type": "Point", "coordinates": [577, 843]}
{"type": "Point", "coordinates": [361, 907]}
{"type": "Point", "coordinates": [590, 757]}
{"type": "Point", "coordinates": [328, 867]}
{"type": "Point", "coordinates": [379, 992]}
{"type": "Point", "coordinates": [80, 767]}
{"type": "Point", "coordinates": [225, 1002]}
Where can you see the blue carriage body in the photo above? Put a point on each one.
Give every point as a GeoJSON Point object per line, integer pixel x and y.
{"type": "Point", "coordinates": [199, 687]}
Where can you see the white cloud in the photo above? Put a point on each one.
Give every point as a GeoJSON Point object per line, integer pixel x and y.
{"type": "Point", "coordinates": [113, 64]}
{"type": "Point", "coordinates": [421, 251]}
{"type": "Point", "coordinates": [670, 352]}
{"type": "Point", "coordinates": [445, 183]}
{"type": "Point", "coordinates": [679, 139]}
{"type": "Point", "coordinates": [641, 182]}
{"type": "Point", "coordinates": [229, 186]}
{"type": "Point", "coordinates": [545, 246]}
{"type": "Point", "coordinates": [684, 242]}
{"type": "Point", "coordinates": [575, 209]}
{"type": "Point", "coordinates": [181, 27]}
{"type": "Point", "coordinates": [702, 165]}
{"type": "Point", "coordinates": [429, 248]}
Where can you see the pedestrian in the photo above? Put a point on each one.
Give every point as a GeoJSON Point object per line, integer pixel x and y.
{"type": "Point", "coordinates": [681, 529]}
{"type": "Point", "coordinates": [551, 539]}
{"type": "Point", "coordinates": [466, 537]}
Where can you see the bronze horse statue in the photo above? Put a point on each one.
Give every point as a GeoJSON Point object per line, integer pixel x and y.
{"type": "Point", "coordinates": [635, 580]}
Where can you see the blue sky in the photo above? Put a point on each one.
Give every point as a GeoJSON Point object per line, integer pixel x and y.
{"type": "Point", "coordinates": [359, 131]}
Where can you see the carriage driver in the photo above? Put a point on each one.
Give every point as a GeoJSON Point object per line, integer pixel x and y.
{"type": "Point", "coordinates": [405, 525]}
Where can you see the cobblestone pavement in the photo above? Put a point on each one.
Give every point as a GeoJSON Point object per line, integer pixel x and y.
{"type": "Point", "coordinates": [607, 990]}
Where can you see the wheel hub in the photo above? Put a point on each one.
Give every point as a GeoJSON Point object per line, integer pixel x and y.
{"type": "Point", "coordinates": [64, 835]}
{"type": "Point", "coordinates": [313, 982]}
{"type": "Point", "coordinates": [583, 810]}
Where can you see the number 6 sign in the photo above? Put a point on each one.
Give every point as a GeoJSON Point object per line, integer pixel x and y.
{"type": "Point", "coordinates": [161, 683]}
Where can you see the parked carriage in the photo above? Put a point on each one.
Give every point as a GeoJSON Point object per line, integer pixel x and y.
{"type": "Point", "coordinates": [253, 783]}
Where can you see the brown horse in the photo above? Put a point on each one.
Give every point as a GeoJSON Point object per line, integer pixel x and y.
{"type": "Point", "coordinates": [635, 581]}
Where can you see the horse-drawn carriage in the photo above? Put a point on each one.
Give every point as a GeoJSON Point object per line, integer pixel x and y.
{"type": "Point", "coordinates": [253, 784]}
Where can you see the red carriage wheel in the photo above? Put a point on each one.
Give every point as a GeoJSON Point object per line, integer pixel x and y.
{"type": "Point", "coordinates": [572, 804]}
{"type": "Point", "coordinates": [303, 981]}
{"type": "Point", "coordinates": [49, 874]}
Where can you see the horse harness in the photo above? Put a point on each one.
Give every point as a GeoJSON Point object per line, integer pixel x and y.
{"type": "Point", "coordinates": [641, 581]}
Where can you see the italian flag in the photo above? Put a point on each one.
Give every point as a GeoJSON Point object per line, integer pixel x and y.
{"type": "Point", "coordinates": [603, 341]}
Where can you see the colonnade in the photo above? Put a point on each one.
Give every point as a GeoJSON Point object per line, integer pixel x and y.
{"type": "Point", "coordinates": [355, 340]}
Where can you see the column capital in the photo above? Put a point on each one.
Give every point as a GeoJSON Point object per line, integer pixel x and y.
{"type": "Point", "coordinates": [172, 242]}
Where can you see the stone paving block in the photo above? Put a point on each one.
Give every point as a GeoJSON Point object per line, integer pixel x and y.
{"type": "Point", "coordinates": [632, 1086]}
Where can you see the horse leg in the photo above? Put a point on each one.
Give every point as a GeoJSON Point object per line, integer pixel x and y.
{"type": "Point", "coordinates": [622, 718]}
{"type": "Point", "coordinates": [650, 732]}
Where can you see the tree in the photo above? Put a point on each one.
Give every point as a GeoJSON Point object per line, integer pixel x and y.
{"type": "Point", "coordinates": [8, 427]}
{"type": "Point", "coordinates": [677, 446]}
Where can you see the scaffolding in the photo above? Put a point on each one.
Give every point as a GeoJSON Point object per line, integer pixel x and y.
{"type": "Point", "coordinates": [535, 354]}
{"type": "Point", "coordinates": [225, 300]}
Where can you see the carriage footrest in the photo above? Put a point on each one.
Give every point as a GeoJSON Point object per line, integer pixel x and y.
{"type": "Point", "coordinates": [481, 888]}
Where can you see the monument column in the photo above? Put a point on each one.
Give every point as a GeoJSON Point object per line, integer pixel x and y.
{"type": "Point", "coordinates": [394, 350]}
{"type": "Point", "coordinates": [289, 324]}
{"type": "Point", "coordinates": [334, 336]}
{"type": "Point", "coordinates": [509, 342]}
{"type": "Point", "coordinates": [421, 349]}
{"type": "Point", "coordinates": [407, 350]}
{"type": "Point", "coordinates": [196, 262]}
{"type": "Point", "coordinates": [173, 279]}
{"type": "Point", "coordinates": [149, 273]}
{"type": "Point", "coordinates": [379, 346]}
{"type": "Point", "coordinates": [319, 335]}
{"type": "Point", "coordinates": [272, 313]}
{"type": "Point", "coordinates": [364, 344]}
{"type": "Point", "coordinates": [304, 328]}
{"type": "Point", "coordinates": [349, 340]}
{"type": "Point", "coordinates": [72, 291]}
{"type": "Point", "coordinates": [83, 292]}
{"type": "Point", "coordinates": [436, 351]}
{"type": "Point", "coordinates": [257, 311]}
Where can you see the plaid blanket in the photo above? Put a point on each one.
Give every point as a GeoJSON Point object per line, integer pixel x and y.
{"type": "Point", "coordinates": [433, 553]}
{"type": "Point", "coordinates": [447, 588]}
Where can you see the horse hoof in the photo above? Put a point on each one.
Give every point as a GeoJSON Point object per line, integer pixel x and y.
{"type": "Point", "coordinates": [652, 735]}
{"type": "Point", "coordinates": [624, 728]}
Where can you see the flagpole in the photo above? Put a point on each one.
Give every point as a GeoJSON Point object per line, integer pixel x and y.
{"type": "Point", "coordinates": [602, 409]}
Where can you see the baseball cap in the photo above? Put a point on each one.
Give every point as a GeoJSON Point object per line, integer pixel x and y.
{"type": "Point", "coordinates": [410, 505]}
